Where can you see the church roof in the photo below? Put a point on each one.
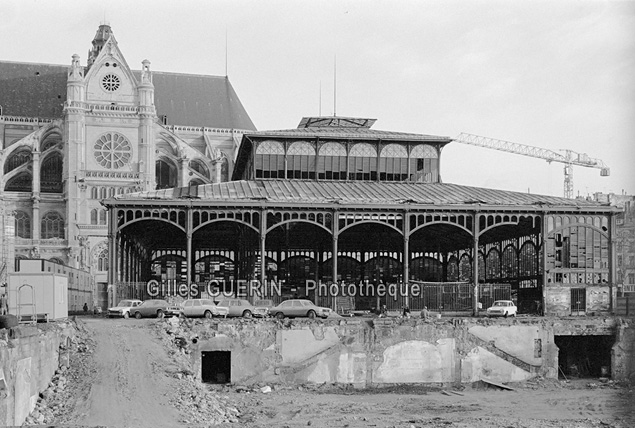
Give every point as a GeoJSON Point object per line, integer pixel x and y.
{"type": "Point", "coordinates": [364, 193]}
{"type": "Point", "coordinates": [39, 90]}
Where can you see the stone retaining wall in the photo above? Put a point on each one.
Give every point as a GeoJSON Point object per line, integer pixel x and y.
{"type": "Point", "coordinates": [388, 351]}
{"type": "Point", "coordinates": [29, 357]}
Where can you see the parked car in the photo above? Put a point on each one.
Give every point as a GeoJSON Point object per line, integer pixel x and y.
{"type": "Point", "coordinates": [156, 308]}
{"type": "Point", "coordinates": [299, 308]}
{"type": "Point", "coordinates": [123, 308]}
{"type": "Point", "coordinates": [203, 308]}
{"type": "Point", "coordinates": [237, 307]}
{"type": "Point", "coordinates": [503, 308]}
{"type": "Point", "coordinates": [262, 307]}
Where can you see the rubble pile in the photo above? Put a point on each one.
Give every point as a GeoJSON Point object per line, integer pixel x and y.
{"type": "Point", "coordinates": [197, 403]}
{"type": "Point", "coordinates": [200, 405]}
{"type": "Point", "coordinates": [56, 400]}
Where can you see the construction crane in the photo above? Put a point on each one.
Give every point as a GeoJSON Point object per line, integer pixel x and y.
{"type": "Point", "coordinates": [569, 158]}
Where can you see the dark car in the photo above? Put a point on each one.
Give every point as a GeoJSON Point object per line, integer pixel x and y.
{"type": "Point", "coordinates": [155, 308]}
{"type": "Point", "coordinates": [299, 308]}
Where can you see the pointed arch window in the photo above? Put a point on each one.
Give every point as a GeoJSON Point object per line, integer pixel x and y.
{"type": "Point", "coordinates": [102, 260]}
{"type": "Point", "coordinates": [22, 225]}
{"type": "Point", "coordinates": [17, 159]}
{"type": "Point", "coordinates": [363, 162]}
{"type": "Point", "coordinates": [102, 217]}
{"type": "Point", "coordinates": [51, 173]}
{"type": "Point", "coordinates": [332, 162]}
{"type": "Point", "coordinates": [165, 174]}
{"type": "Point", "coordinates": [20, 183]}
{"type": "Point", "coordinates": [52, 226]}
{"type": "Point", "coordinates": [93, 216]}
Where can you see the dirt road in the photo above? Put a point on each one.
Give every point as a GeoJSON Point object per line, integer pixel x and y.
{"type": "Point", "coordinates": [128, 386]}
{"type": "Point", "coordinates": [548, 406]}
{"type": "Point", "coordinates": [130, 374]}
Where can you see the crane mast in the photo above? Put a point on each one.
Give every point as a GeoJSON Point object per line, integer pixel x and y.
{"type": "Point", "coordinates": [569, 158]}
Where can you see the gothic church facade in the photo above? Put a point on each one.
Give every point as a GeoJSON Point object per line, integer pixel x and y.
{"type": "Point", "coordinates": [71, 136]}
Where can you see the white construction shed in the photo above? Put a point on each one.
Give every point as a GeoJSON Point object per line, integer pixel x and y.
{"type": "Point", "coordinates": [38, 296]}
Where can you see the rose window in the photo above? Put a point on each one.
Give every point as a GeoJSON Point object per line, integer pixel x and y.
{"type": "Point", "coordinates": [110, 82]}
{"type": "Point", "coordinates": [112, 150]}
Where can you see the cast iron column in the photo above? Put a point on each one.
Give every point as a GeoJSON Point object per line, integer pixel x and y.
{"type": "Point", "coordinates": [475, 233]}
{"type": "Point", "coordinates": [612, 279]}
{"type": "Point", "coordinates": [545, 273]}
{"type": "Point", "coordinates": [335, 225]}
{"type": "Point", "coordinates": [35, 197]}
{"type": "Point", "coordinates": [263, 254]}
{"type": "Point", "coordinates": [188, 251]}
{"type": "Point", "coordinates": [406, 255]}
{"type": "Point", "coordinates": [112, 261]}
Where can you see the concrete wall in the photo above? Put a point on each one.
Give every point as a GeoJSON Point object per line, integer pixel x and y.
{"type": "Point", "coordinates": [623, 352]}
{"type": "Point", "coordinates": [386, 351]}
{"type": "Point", "coordinates": [558, 299]}
{"type": "Point", "coordinates": [29, 357]}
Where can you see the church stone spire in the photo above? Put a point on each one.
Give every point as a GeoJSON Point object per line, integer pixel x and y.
{"type": "Point", "coordinates": [103, 34]}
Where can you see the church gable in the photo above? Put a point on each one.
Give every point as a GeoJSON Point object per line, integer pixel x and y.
{"type": "Point", "coordinates": [109, 79]}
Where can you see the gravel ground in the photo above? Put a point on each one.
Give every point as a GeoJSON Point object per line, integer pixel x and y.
{"type": "Point", "coordinates": [136, 373]}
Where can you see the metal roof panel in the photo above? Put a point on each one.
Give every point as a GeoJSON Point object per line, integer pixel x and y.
{"type": "Point", "coordinates": [358, 192]}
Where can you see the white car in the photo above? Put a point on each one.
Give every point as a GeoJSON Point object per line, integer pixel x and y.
{"type": "Point", "coordinates": [504, 308]}
{"type": "Point", "coordinates": [203, 308]}
{"type": "Point", "coordinates": [123, 308]}
{"type": "Point", "coordinates": [262, 307]}
{"type": "Point", "coordinates": [299, 308]}
{"type": "Point", "coordinates": [237, 307]}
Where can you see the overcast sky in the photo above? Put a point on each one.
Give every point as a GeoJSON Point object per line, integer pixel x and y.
{"type": "Point", "coordinates": [553, 74]}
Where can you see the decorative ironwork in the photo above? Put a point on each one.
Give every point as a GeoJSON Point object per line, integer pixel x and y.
{"type": "Point", "coordinates": [425, 151]}
{"type": "Point", "coordinates": [322, 219]}
{"type": "Point", "coordinates": [332, 149]}
{"type": "Point", "coordinates": [394, 220]}
{"type": "Point", "coordinates": [301, 148]}
{"type": "Point", "coordinates": [394, 151]}
{"type": "Point", "coordinates": [270, 147]}
{"type": "Point", "coordinates": [417, 221]}
{"type": "Point", "coordinates": [363, 150]}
